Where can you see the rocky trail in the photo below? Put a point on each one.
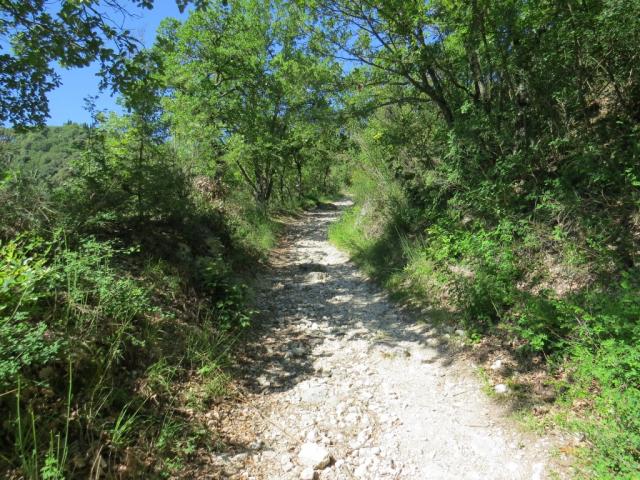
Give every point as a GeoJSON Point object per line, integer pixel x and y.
{"type": "Point", "coordinates": [342, 384]}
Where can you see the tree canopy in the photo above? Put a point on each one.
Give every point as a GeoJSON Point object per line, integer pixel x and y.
{"type": "Point", "coordinates": [492, 148]}
{"type": "Point", "coordinates": [35, 34]}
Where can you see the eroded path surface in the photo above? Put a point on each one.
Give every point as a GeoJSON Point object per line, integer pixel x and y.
{"type": "Point", "coordinates": [339, 370]}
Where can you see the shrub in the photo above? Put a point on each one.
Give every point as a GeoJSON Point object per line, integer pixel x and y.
{"type": "Point", "coordinates": [25, 340]}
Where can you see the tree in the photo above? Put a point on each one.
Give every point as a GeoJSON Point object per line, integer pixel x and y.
{"type": "Point", "coordinates": [239, 76]}
{"type": "Point", "coordinates": [34, 35]}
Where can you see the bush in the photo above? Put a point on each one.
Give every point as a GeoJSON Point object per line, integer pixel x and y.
{"type": "Point", "coordinates": [608, 378]}
{"type": "Point", "coordinates": [493, 273]}
{"type": "Point", "coordinates": [25, 339]}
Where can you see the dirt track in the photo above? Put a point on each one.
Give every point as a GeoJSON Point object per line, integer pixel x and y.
{"type": "Point", "coordinates": [339, 369]}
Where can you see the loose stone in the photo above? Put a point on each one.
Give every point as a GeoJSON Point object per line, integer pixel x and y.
{"type": "Point", "coordinates": [308, 474]}
{"type": "Point", "coordinates": [314, 456]}
{"type": "Point", "coordinates": [501, 389]}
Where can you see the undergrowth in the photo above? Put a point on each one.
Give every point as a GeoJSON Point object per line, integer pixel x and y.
{"type": "Point", "coordinates": [118, 338]}
{"type": "Point", "coordinates": [116, 335]}
{"type": "Point", "coordinates": [498, 280]}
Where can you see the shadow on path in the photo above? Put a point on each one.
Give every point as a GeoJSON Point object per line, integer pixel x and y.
{"type": "Point", "coordinates": [312, 294]}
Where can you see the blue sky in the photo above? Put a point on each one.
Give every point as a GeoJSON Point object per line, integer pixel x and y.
{"type": "Point", "coordinates": [67, 101]}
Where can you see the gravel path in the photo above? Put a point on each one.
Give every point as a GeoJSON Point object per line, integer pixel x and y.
{"type": "Point", "coordinates": [344, 385]}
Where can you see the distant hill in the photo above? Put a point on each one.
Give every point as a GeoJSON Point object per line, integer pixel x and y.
{"type": "Point", "coordinates": [46, 152]}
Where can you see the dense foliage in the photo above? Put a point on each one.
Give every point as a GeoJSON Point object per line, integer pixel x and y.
{"type": "Point", "coordinates": [491, 147]}
{"type": "Point", "coordinates": [506, 138]}
{"type": "Point", "coordinates": [123, 243]}
{"type": "Point", "coordinates": [45, 153]}
{"type": "Point", "coordinates": [262, 103]}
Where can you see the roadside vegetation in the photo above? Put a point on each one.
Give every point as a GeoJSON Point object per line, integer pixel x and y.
{"type": "Point", "coordinates": [128, 245]}
{"type": "Point", "coordinates": [500, 189]}
{"type": "Point", "coordinates": [491, 149]}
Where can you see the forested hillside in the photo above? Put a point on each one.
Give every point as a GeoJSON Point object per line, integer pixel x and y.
{"type": "Point", "coordinates": [492, 150]}
{"type": "Point", "coordinates": [47, 153]}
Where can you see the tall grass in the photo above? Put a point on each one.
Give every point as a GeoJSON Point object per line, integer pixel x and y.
{"type": "Point", "coordinates": [489, 277]}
